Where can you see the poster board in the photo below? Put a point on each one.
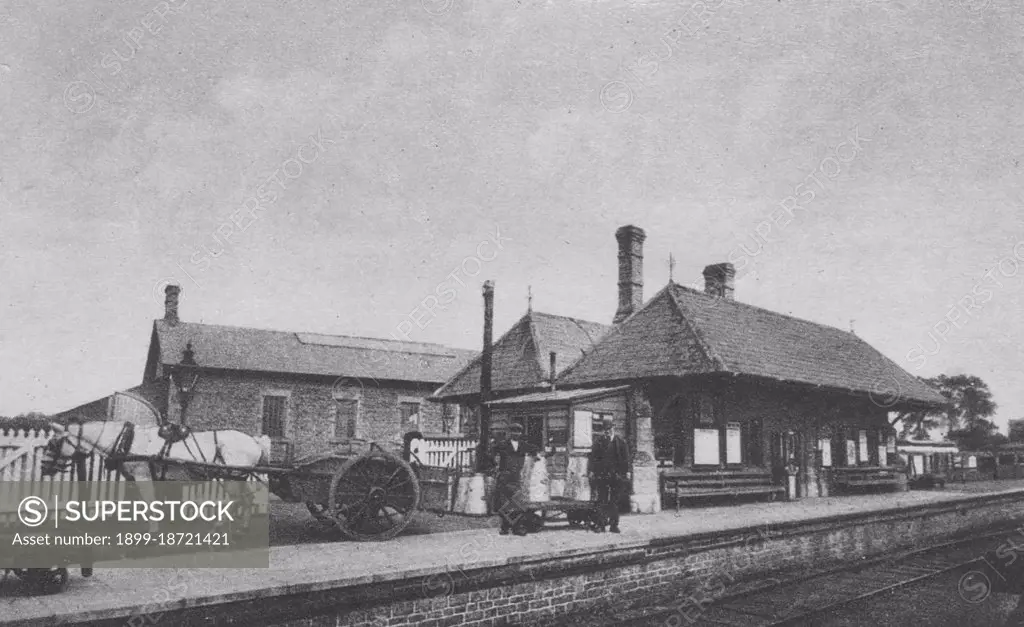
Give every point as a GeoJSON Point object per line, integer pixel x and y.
{"type": "Point", "coordinates": [825, 444]}
{"type": "Point", "coordinates": [863, 441]}
{"type": "Point", "coordinates": [582, 429]}
{"type": "Point", "coordinates": [851, 453]}
{"type": "Point", "coordinates": [706, 447]}
{"type": "Point", "coordinates": [882, 455]}
{"type": "Point", "coordinates": [733, 444]}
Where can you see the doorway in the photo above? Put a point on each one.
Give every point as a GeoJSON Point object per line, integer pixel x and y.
{"type": "Point", "coordinates": [786, 448]}
{"type": "Point", "coordinates": [533, 431]}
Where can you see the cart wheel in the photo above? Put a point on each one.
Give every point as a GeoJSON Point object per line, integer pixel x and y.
{"type": "Point", "coordinates": [374, 496]}
{"type": "Point", "coordinates": [319, 511]}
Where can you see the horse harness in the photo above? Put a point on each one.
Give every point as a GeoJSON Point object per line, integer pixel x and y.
{"type": "Point", "coordinates": [172, 433]}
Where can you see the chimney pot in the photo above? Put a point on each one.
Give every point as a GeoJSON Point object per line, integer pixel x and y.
{"type": "Point", "coordinates": [719, 280]}
{"type": "Point", "coordinates": [171, 293]}
{"type": "Point", "coordinates": [631, 271]}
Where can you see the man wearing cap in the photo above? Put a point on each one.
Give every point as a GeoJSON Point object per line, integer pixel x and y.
{"type": "Point", "coordinates": [608, 470]}
{"type": "Point", "coordinates": [510, 457]}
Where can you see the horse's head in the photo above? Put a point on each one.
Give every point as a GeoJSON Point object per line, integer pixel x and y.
{"type": "Point", "coordinates": [59, 453]}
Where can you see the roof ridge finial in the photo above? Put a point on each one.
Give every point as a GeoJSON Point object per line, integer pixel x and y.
{"type": "Point", "coordinates": [671, 267]}
{"type": "Point", "coordinates": [852, 320]}
{"type": "Point", "coordinates": [529, 299]}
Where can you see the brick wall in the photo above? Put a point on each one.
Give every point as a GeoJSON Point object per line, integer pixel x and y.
{"type": "Point", "coordinates": [234, 400]}
{"type": "Point", "coordinates": [683, 573]}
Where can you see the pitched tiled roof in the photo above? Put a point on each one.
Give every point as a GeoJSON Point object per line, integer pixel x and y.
{"type": "Point", "coordinates": [682, 331]}
{"type": "Point", "coordinates": [240, 348]}
{"type": "Point", "coordinates": [521, 358]}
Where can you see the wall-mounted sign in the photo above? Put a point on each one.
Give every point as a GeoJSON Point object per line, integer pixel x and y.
{"type": "Point", "coordinates": [582, 435]}
{"type": "Point", "coordinates": [863, 441]}
{"type": "Point", "coordinates": [851, 453]}
{"type": "Point", "coordinates": [706, 447]}
{"type": "Point", "coordinates": [733, 444]}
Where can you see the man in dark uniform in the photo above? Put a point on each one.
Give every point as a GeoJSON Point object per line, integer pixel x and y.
{"type": "Point", "coordinates": [608, 470]}
{"type": "Point", "coordinates": [510, 457]}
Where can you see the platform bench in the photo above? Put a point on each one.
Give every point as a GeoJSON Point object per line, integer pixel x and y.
{"type": "Point", "coordinates": [865, 476]}
{"type": "Point", "coordinates": [681, 485]}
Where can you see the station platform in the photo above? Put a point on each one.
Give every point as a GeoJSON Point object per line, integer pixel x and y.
{"type": "Point", "coordinates": [372, 583]}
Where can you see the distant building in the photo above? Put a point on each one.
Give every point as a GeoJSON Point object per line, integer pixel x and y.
{"type": "Point", "coordinates": [1017, 431]}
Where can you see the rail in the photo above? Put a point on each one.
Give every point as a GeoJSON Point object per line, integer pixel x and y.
{"type": "Point", "coordinates": [808, 599]}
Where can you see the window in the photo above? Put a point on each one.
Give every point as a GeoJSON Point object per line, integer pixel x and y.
{"type": "Point", "coordinates": [825, 446]}
{"type": "Point", "coordinates": [346, 412]}
{"type": "Point", "coordinates": [597, 424]}
{"type": "Point", "coordinates": [558, 430]}
{"type": "Point", "coordinates": [273, 416]}
{"type": "Point", "coordinates": [469, 421]}
{"type": "Point", "coordinates": [409, 415]}
{"type": "Point", "coordinates": [450, 419]}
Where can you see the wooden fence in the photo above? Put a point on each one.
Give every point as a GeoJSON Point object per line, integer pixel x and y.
{"type": "Point", "coordinates": [458, 453]}
{"type": "Point", "coordinates": [21, 457]}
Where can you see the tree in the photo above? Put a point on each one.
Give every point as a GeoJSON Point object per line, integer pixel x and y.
{"type": "Point", "coordinates": [917, 424]}
{"type": "Point", "coordinates": [968, 411]}
{"type": "Point", "coordinates": [31, 420]}
{"type": "Point", "coordinates": [965, 415]}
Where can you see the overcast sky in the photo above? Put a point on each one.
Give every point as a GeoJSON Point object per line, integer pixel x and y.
{"type": "Point", "coordinates": [417, 131]}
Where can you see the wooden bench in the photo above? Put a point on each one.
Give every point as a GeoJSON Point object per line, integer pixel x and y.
{"type": "Point", "coordinates": [682, 484]}
{"type": "Point", "coordinates": [865, 476]}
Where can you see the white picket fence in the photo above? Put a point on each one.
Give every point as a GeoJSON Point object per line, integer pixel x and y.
{"type": "Point", "coordinates": [21, 457]}
{"type": "Point", "coordinates": [448, 453]}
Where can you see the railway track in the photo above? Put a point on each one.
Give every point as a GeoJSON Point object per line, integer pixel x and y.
{"type": "Point", "coordinates": [806, 600]}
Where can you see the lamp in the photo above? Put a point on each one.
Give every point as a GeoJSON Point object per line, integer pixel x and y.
{"type": "Point", "coordinates": [185, 376]}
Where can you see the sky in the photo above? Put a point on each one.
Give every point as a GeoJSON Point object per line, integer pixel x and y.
{"type": "Point", "coordinates": [333, 167]}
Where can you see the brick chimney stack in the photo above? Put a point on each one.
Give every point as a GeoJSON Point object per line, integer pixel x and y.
{"type": "Point", "coordinates": [171, 304]}
{"type": "Point", "coordinates": [718, 280]}
{"type": "Point", "coordinates": [631, 271]}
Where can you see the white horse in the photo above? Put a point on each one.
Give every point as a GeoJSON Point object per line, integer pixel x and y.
{"type": "Point", "coordinates": [113, 438]}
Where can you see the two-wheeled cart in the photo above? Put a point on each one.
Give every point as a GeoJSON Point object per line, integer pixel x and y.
{"type": "Point", "coordinates": [365, 491]}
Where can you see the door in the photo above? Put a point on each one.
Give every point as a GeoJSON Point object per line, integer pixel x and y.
{"type": "Point", "coordinates": [785, 452]}
{"type": "Point", "coordinates": [533, 431]}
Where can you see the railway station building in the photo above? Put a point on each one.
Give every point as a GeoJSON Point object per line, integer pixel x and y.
{"type": "Point", "coordinates": [716, 397]}
{"type": "Point", "coordinates": [309, 392]}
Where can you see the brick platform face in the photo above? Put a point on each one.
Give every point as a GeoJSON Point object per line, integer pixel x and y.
{"type": "Point", "coordinates": [685, 575]}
